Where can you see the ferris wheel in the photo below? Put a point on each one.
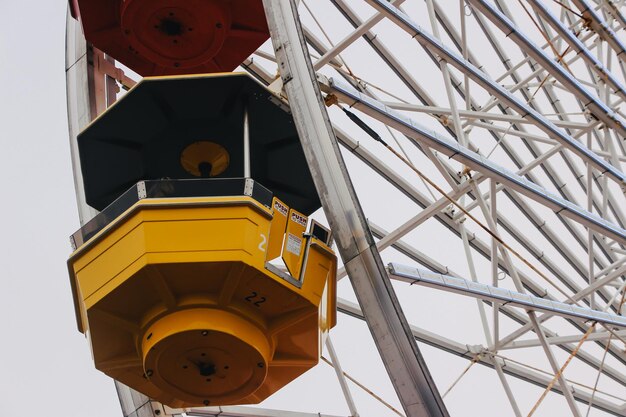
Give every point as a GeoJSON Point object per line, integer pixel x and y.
{"type": "Point", "coordinates": [469, 159]}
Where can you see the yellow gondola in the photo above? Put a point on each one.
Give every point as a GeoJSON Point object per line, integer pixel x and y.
{"type": "Point", "coordinates": [172, 280]}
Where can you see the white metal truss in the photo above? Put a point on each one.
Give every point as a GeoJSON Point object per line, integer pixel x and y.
{"type": "Point", "coordinates": [501, 160]}
{"type": "Point", "coordinates": [248, 412]}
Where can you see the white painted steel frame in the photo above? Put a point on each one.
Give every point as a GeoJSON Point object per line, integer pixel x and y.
{"type": "Point", "coordinates": [472, 159]}
{"type": "Point", "coordinates": [358, 150]}
{"type": "Point", "coordinates": [237, 411]}
{"type": "Point", "coordinates": [501, 296]}
{"type": "Point", "coordinates": [463, 350]}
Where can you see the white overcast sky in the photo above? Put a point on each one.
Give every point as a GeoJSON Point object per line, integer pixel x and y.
{"type": "Point", "coordinates": [45, 364]}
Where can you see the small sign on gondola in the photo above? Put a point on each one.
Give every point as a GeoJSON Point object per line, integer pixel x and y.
{"type": "Point", "coordinates": [293, 250]}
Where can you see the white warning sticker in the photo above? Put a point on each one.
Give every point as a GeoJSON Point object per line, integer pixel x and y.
{"type": "Point", "coordinates": [294, 244]}
{"type": "Point", "coordinates": [281, 208]}
{"type": "Point", "coordinates": [298, 218]}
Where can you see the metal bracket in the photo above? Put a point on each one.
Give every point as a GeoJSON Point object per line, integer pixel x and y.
{"type": "Point", "coordinates": [283, 64]}
{"type": "Point", "coordinates": [279, 103]}
{"type": "Point", "coordinates": [141, 190]}
{"type": "Point", "coordinates": [161, 410]}
{"type": "Point", "coordinates": [248, 187]}
{"type": "Point", "coordinates": [108, 68]}
{"type": "Point", "coordinates": [476, 349]}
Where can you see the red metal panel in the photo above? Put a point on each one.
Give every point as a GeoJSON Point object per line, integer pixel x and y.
{"type": "Point", "coordinates": [164, 37]}
{"type": "Point", "coordinates": [74, 11]}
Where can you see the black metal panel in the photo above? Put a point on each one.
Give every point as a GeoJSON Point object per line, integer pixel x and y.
{"type": "Point", "coordinates": [214, 187]}
{"type": "Point", "coordinates": [143, 135]}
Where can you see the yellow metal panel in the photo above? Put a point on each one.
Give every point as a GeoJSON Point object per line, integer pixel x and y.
{"type": "Point", "coordinates": [159, 260]}
{"type": "Point", "coordinates": [221, 232]}
{"type": "Point", "coordinates": [293, 249]}
{"type": "Point", "coordinates": [277, 229]}
{"type": "Point", "coordinates": [328, 306]}
{"type": "Point", "coordinates": [206, 355]}
{"type": "Point", "coordinates": [105, 285]}
{"type": "Point", "coordinates": [320, 267]}
{"type": "Point", "coordinates": [128, 220]}
{"type": "Point", "coordinates": [116, 256]}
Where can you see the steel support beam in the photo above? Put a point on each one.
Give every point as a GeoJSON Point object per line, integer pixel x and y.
{"type": "Point", "coordinates": [341, 378]}
{"type": "Point", "coordinates": [575, 44]}
{"type": "Point", "coordinates": [238, 411]}
{"type": "Point", "coordinates": [615, 12]}
{"type": "Point", "coordinates": [603, 30]}
{"type": "Point", "coordinates": [408, 372]}
{"type": "Point", "coordinates": [502, 296]}
{"type": "Point", "coordinates": [599, 109]}
{"type": "Point", "coordinates": [348, 40]}
{"type": "Point", "coordinates": [435, 46]}
{"type": "Point", "coordinates": [513, 314]}
{"type": "Point", "coordinates": [475, 161]}
{"type": "Point", "coordinates": [396, 66]}
{"type": "Point", "coordinates": [557, 340]}
{"type": "Point", "coordinates": [79, 89]}
{"type": "Point", "coordinates": [463, 350]}
{"type": "Point", "coordinates": [553, 174]}
{"type": "Point", "coordinates": [480, 246]}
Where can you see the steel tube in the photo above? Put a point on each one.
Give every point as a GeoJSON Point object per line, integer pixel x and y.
{"type": "Point", "coordinates": [246, 145]}
{"type": "Point", "coordinates": [474, 160]}
{"type": "Point", "coordinates": [501, 93]}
